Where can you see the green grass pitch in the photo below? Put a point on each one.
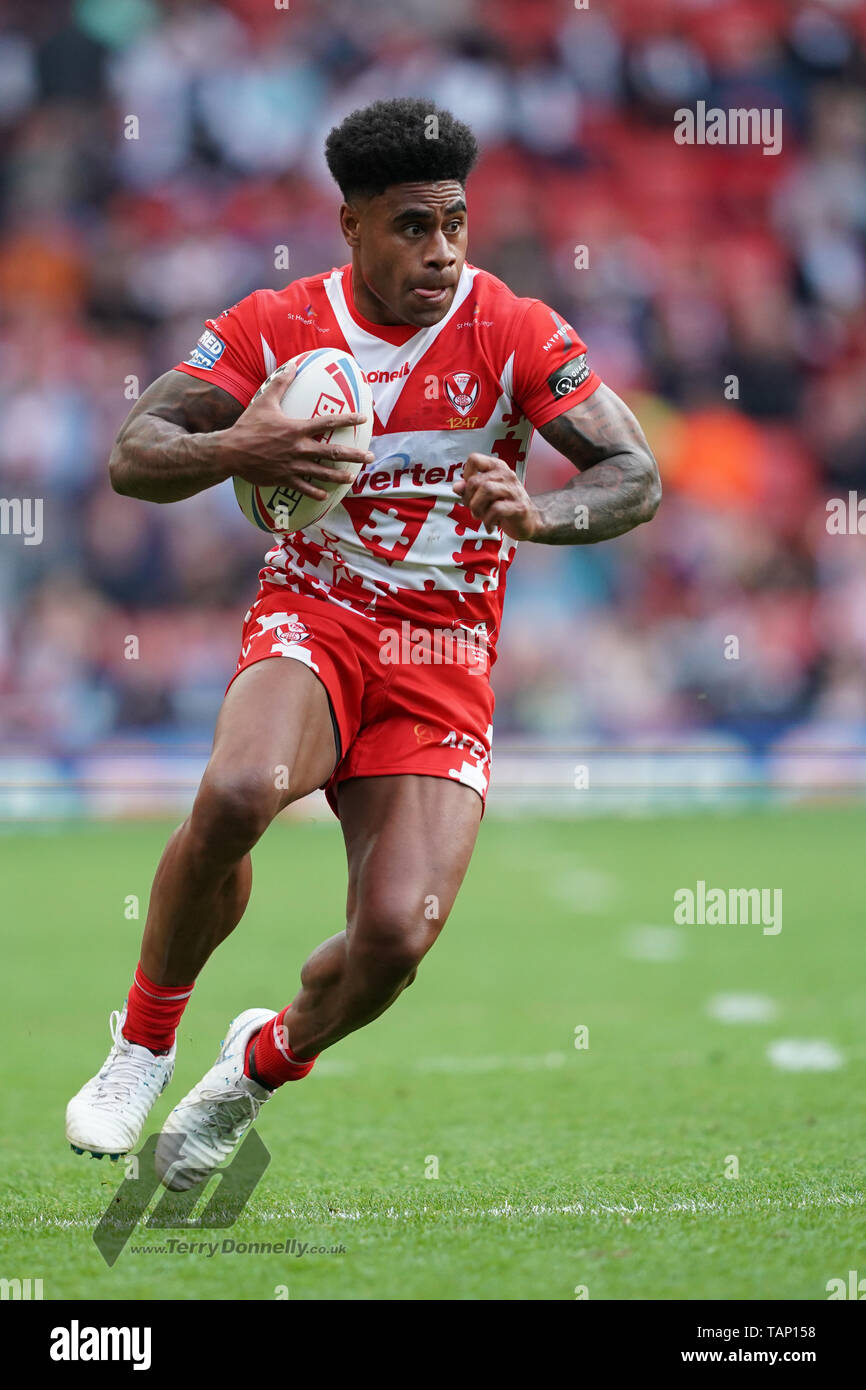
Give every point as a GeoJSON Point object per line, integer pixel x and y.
{"type": "Point", "coordinates": [558, 1167]}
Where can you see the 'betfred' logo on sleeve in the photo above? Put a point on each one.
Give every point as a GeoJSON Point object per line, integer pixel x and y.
{"type": "Point", "coordinates": [206, 352]}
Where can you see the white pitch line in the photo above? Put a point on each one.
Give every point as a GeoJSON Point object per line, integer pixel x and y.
{"type": "Point", "coordinates": [805, 1054]}
{"type": "Point", "coordinates": [694, 1206]}
{"type": "Point", "coordinates": [654, 943]}
{"type": "Point", "coordinates": [742, 1008]}
{"type": "Point", "coordinates": [550, 1061]}
{"type": "Point", "coordinates": [456, 1066]}
{"type": "Point", "coordinates": [583, 890]}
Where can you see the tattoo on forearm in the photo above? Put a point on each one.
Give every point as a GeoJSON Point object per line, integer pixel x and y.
{"type": "Point", "coordinates": [618, 486]}
{"type": "Point", "coordinates": [156, 455]}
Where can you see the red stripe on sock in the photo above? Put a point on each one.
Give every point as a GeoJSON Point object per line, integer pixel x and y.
{"type": "Point", "coordinates": [153, 1012]}
{"type": "Point", "coordinates": [275, 1062]}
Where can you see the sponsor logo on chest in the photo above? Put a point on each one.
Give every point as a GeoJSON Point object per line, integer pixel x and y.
{"type": "Point", "coordinates": [374, 377]}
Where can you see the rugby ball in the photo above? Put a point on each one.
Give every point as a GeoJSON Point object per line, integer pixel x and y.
{"type": "Point", "coordinates": [328, 381]}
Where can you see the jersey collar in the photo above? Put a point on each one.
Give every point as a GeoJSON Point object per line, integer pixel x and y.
{"type": "Point", "coordinates": [396, 333]}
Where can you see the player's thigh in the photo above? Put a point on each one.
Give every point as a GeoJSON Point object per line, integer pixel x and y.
{"type": "Point", "coordinates": [274, 732]}
{"type": "Point", "coordinates": [409, 840]}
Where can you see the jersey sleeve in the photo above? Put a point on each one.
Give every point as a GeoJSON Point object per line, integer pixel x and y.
{"type": "Point", "coordinates": [550, 372]}
{"type": "Point", "coordinates": [229, 352]}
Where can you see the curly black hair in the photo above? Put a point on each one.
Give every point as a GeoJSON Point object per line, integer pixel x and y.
{"type": "Point", "coordinates": [397, 142]}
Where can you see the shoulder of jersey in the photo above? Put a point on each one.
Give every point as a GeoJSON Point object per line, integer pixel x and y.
{"type": "Point", "coordinates": [492, 305]}
{"type": "Point", "coordinates": [486, 284]}
{"type": "Point", "coordinates": [303, 298]}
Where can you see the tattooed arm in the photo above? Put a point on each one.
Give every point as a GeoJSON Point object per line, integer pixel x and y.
{"type": "Point", "coordinates": [619, 482]}
{"type": "Point", "coordinates": [169, 446]}
{"type": "Point", "coordinates": [185, 435]}
{"type": "Point", "coordinates": [617, 488]}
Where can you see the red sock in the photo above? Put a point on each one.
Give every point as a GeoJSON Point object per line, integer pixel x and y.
{"type": "Point", "coordinates": [273, 1061]}
{"type": "Point", "coordinates": [153, 1012]}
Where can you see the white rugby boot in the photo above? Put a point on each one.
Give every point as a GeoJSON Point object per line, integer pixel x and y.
{"type": "Point", "coordinates": [108, 1113]}
{"type": "Point", "coordinates": [211, 1120]}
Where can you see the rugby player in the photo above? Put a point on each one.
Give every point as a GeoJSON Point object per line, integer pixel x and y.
{"type": "Point", "coordinates": [462, 371]}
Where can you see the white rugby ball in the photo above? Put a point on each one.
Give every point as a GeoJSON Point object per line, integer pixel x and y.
{"type": "Point", "coordinates": [328, 381]}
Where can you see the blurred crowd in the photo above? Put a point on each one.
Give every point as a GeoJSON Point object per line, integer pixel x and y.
{"type": "Point", "coordinates": [724, 298]}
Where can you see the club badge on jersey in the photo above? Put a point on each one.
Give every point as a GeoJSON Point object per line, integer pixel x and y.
{"type": "Point", "coordinates": [462, 389]}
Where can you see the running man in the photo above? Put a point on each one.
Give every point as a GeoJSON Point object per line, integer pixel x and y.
{"type": "Point", "coordinates": [462, 371]}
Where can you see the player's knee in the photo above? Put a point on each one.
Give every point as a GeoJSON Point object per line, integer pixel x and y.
{"type": "Point", "coordinates": [234, 809]}
{"type": "Point", "coordinates": [389, 940]}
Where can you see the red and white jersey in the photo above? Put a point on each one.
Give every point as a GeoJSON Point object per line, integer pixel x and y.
{"type": "Point", "coordinates": [402, 545]}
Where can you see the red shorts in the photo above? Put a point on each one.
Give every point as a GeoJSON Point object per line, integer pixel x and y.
{"type": "Point", "coordinates": [405, 698]}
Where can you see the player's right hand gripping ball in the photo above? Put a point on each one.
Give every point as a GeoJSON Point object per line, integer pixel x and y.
{"type": "Point", "coordinates": [328, 381]}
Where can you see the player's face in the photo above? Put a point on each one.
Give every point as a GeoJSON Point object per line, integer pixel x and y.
{"type": "Point", "coordinates": [408, 248]}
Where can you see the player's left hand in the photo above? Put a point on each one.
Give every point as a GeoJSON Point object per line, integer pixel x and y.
{"type": "Point", "coordinates": [494, 493]}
